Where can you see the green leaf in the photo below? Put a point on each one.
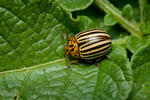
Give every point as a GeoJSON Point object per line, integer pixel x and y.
{"type": "Point", "coordinates": [145, 28]}
{"type": "Point", "coordinates": [133, 43]}
{"type": "Point", "coordinates": [127, 11]}
{"type": "Point", "coordinates": [115, 76]}
{"type": "Point", "coordinates": [109, 20]}
{"type": "Point", "coordinates": [146, 12]}
{"type": "Point", "coordinates": [111, 80]}
{"type": "Point", "coordinates": [32, 59]}
{"type": "Point", "coordinates": [140, 57]}
{"type": "Point", "coordinates": [142, 4]}
{"type": "Point", "coordinates": [74, 5]}
{"type": "Point", "coordinates": [140, 62]}
{"type": "Point", "coordinates": [33, 36]}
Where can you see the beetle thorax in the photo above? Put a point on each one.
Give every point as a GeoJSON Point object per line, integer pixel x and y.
{"type": "Point", "coordinates": [72, 48]}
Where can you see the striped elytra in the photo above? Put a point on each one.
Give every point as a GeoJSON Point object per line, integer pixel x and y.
{"type": "Point", "coordinates": [89, 45]}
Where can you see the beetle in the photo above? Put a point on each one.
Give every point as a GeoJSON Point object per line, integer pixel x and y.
{"type": "Point", "coordinates": [90, 46]}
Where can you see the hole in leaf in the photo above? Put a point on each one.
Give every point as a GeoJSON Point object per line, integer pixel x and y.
{"type": "Point", "coordinates": [129, 54]}
{"type": "Point", "coordinates": [16, 97]}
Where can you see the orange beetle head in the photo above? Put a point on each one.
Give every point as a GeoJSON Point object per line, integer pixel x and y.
{"type": "Point", "coordinates": [72, 48]}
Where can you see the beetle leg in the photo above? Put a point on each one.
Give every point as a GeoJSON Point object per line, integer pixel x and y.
{"type": "Point", "coordinates": [96, 64]}
{"type": "Point", "coordinates": [63, 40]}
{"type": "Point", "coordinates": [72, 62]}
{"type": "Point", "coordinates": [67, 36]}
{"type": "Point", "coordinates": [69, 66]}
{"type": "Point", "coordinates": [108, 57]}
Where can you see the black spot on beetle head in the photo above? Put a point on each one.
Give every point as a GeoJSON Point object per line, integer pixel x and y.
{"type": "Point", "coordinates": [70, 45]}
{"type": "Point", "coordinates": [72, 49]}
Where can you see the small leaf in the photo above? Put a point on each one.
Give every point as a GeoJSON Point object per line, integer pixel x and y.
{"type": "Point", "coordinates": [86, 23]}
{"type": "Point", "coordinates": [127, 11]}
{"type": "Point", "coordinates": [109, 20]}
{"type": "Point", "coordinates": [140, 63]}
{"type": "Point", "coordinates": [145, 28]}
{"type": "Point", "coordinates": [133, 43]}
{"type": "Point", "coordinates": [146, 13]}
{"type": "Point", "coordinates": [141, 56]}
{"type": "Point", "coordinates": [74, 5]}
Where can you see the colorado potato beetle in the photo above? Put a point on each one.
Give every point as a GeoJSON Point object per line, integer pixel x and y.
{"type": "Point", "coordinates": [90, 45]}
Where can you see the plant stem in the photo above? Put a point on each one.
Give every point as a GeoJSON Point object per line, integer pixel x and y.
{"type": "Point", "coordinates": [142, 4]}
{"type": "Point", "coordinates": [109, 8]}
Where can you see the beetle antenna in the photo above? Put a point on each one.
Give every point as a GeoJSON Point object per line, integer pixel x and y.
{"type": "Point", "coordinates": [62, 38]}
{"type": "Point", "coordinates": [69, 67]}
{"type": "Point", "coordinates": [67, 36]}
